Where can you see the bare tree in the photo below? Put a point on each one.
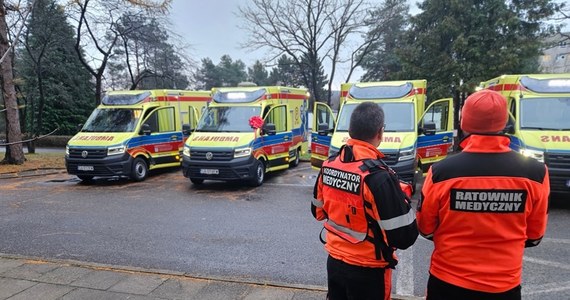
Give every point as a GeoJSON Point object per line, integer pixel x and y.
{"type": "Point", "coordinates": [97, 30]}
{"type": "Point", "coordinates": [14, 150]}
{"type": "Point", "coordinates": [317, 30]}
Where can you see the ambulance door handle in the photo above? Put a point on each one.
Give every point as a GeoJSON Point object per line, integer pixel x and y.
{"type": "Point", "coordinates": [286, 138]}
{"type": "Point", "coordinates": [174, 138]}
{"type": "Point", "coordinates": [445, 138]}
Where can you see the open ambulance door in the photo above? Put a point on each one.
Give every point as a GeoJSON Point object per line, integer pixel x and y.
{"type": "Point", "coordinates": [435, 132]}
{"type": "Point", "coordinates": [190, 123]}
{"type": "Point", "coordinates": [322, 130]}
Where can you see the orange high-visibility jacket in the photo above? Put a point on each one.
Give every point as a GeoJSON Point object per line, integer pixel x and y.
{"type": "Point", "coordinates": [345, 192]}
{"type": "Point", "coordinates": [482, 207]}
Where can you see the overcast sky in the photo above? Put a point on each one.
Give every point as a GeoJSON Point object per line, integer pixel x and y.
{"type": "Point", "coordinates": [212, 29]}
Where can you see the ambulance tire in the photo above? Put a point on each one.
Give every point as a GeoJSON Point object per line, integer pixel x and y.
{"type": "Point", "coordinates": [196, 180]}
{"type": "Point", "coordinates": [85, 178]}
{"type": "Point", "coordinates": [139, 170]}
{"type": "Point", "coordinates": [259, 174]}
{"type": "Point", "coordinates": [295, 162]}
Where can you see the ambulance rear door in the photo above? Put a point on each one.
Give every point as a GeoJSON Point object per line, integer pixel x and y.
{"type": "Point", "coordinates": [321, 133]}
{"type": "Point", "coordinates": [435, 132]}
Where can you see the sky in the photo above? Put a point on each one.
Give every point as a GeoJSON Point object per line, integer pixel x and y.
{"type": "Point", "coordinates": [212, 29]}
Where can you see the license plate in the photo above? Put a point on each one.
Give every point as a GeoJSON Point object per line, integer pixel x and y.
{"type": "Point", "coordinates": [85, 168]}
{"type": "Point", "coordinates": [210, 171]}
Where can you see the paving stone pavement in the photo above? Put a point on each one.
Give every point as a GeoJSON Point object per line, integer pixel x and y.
{"type": "Point", "coordinates": [24, 278]}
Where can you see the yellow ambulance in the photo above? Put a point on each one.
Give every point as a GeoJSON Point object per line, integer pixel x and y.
{"type": "Point", "coordinates": [132, 132]}
{"type": "Point", "coordinates": [539, 120]}
{"type": "Point", "coordinates": [414, 138]}
{"type": "Point", "coordinates": [247, 131]}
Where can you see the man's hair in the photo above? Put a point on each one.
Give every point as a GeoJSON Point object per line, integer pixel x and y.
{"type": "Point", "coordinates": [366, 121]}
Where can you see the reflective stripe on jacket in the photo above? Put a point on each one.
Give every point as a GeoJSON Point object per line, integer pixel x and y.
{"type": "Point", "coordinates": [481, 207]}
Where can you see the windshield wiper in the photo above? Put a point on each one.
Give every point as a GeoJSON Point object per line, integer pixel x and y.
{"type": "Point", "coordinates": [538, 128]}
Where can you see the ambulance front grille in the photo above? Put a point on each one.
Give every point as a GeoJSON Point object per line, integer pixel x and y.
{"type": "Point", "coordinates": [557, 160]}
{"type": "Point", "coordinates": [89, 153]}
{"type": "Point", "coordinates": [215, 155]}
{"type": "Point", "coordinates": [390, 157]}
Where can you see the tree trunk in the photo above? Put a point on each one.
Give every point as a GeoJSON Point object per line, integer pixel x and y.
{"type": "Point", "coordinates": [14, 134]}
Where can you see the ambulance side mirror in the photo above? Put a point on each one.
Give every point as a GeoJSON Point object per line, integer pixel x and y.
{"type": "Point", "coordinates": [79, 127]}
{"type": "Point", "coordinates": [323, 129]}
{"type": "Point", "coordinates": [510, 129]}
{"type": "Point", "coordinates": [186, 129]}
{"type": "Point", "coordinates": [269, 129]}
{"type": "Point", "coordinates": [428, 129]}
{"type": "Point", "coordinates": [145, 129]}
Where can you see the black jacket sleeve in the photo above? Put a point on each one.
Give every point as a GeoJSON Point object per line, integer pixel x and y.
{"type": "Point", "coordinates": [397, 218]}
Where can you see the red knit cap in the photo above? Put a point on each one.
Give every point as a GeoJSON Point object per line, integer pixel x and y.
{"type": "Point", "coordinates": [484, 112]}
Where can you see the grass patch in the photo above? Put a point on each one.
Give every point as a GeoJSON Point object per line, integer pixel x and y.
{"type": "Point", "coordinates": [36, 161]}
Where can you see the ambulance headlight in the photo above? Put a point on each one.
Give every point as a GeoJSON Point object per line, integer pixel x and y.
{"type": "Point", "coordinates": [242, 152]}
{"type": "Point", "coordinates": [538, 155]}
{"type": "Point", "coordinates": [116, 150]}
{"type": "Point", "coordinates": [407, 154]}
{"type": "Point", "coordinates": [186, 151]}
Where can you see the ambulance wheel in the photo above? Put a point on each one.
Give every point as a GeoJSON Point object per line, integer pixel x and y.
{"type": "Point", "coordinates": [259, 174]}
{"type": "Point", "coordinates": [139, 169]}
{"type": "Point", "coordinates": [196, 180]}
{"type": "Point", "coordinates": [295, 162]}
{"type": "Point", "coordinates": [85, 178]}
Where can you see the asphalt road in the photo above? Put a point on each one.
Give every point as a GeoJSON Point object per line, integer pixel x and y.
{"type": "Point", "coordinates": [263, 234]}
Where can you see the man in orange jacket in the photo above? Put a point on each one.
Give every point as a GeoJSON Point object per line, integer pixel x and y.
{"type": "Point", "coordinates": [367, 214]}
{"type": "Point", "coordinates": [481, 208]}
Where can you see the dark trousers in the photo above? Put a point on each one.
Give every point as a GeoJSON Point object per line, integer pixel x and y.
{"type": "Point", "coordinates": [348, 282]}
{"type": "Point", "coordinates": [440, 290]}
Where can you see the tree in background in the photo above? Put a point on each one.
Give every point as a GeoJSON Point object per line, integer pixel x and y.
{"type": "Point", "coordinates": [207, 76]}
{"type": "Point", "coordinates": [286, 73]}
{"type": "Point", "coordinates": [226, 73]}
{"type": "Point", "coordinates": [144, 57]}
{"type": "Point", "coordinates": [310, 32]}
{"type": "Point", "coordinates": [258, 74]}
{"type": "Point", "coordinates": [97, 24]}
{"type": "Point", "coordinates": [54, 96]}
{"type": "Point", "coordinates": [387, 25]}
{"type": "Point", "coordinates": [14, 151]}
{"type": "Point", "coordinates": [457, 44]}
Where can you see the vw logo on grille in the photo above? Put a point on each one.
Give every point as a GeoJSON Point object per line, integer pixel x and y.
{"type": "Point", "coordinates": [84, 154]}
{"type": "Point", "coordinates": [209, 155]}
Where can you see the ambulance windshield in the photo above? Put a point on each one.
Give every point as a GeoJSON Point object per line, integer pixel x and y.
{"type": "Point", "coordinates": [228, 119]}
{"type": "Point", "coordinates": [545, 113]}
{"type": "Point", "coordinates": [398, 117]}
{"type": "Point", "coordinates": [112, 120]}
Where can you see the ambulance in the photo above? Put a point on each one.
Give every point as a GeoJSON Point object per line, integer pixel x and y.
{"type": "Point", "coordinates": [132, 132]}
{"type": "Point", "coordinates": [414, 138]}
{"type": "Point", "coordinates": [539, 120]}
{"type": "Point", "coordinates": [247, 131]}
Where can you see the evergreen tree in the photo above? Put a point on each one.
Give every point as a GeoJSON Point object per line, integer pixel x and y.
{"type": "Point", "coordinates": [387, 25]}
{"type": "Point", "coordinates": [258, 74]}
{"type": "Point", "coordinates": [225, 73]}
{"type": "Point", "coordinates": [457, 44]}
{"type": "Point", "coordinates": [56, 88]}
{"type": "Point", "coordinates": [145, 59]}
{"type": "Point", "coordinates": [286, 73]}
{"type": "Point", "coordinates": [318, 79]}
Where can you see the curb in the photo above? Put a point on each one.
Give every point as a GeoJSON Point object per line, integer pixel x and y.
{"type": "Point", "coordinates": [30, 173]}
{"type": "Point", "coordinates": [127, 269]}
